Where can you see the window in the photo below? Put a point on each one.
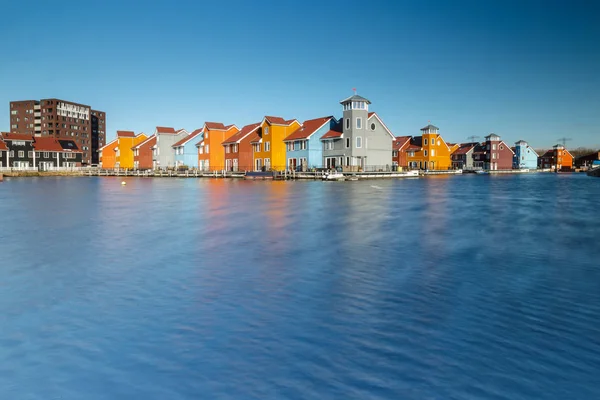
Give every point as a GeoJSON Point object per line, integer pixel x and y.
{"type": "Point", "coordinates": [395, 153]}
{"type": "Point", "coordinates": [425, 142]}
{"type": "Point", "coordinates": [267, 146]}
{"type": "Point", "coordinates": [359, 123]}
{"type": "Point", "coordinates": [432, 153]}
{"type": "Point", "coordinates": [373, 126]}
{"type": "Point", "coordinates": [501, 147]}
{"type": "Point", "coordinates": [347, 143]}
{"type": "Point", "coordinates": [201, 150]}
{"type": "Point", "coordinates": [358, 142]}
{"type": "Point", "coordinates": [425, 153]}
{"type": "Point", "coordinates": [21, 153]}
{"type": "Point", "coordinates": [12, 153]}
{"type": "Point", "coordinates": [267, 163]}
{"type": "Point", "coordinates": [206, 149]}
{"type": "Point", "coordinates": [347, 161]}
{"type": "Point", "coordinates": [347, 123]}
{"type": "Point", "coordinates": [439, 142]}
{"type": "Point", "coordinates": [14, 112]}
{"type": "Point", "coordinates": [494, 155]}
{"type": "Point", "coordinates": [13, 126]}
{"type": "Point", "coordinates": [494, 146]}
{"type": "Point", "coordinates": [266, 130]}
{"type": "Point", "coordinates": [30, 154]}
{"type": "Point", "coordinates": [303, 145]}
{"type": "Point", "coordinates": [227, 149]}
{"type": "Point", "coordinates": [290, 146]}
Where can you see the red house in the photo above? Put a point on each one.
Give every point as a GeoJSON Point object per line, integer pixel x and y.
{"type": "Point", "coordinates": [238, 149]}
{"type": "Point", "coordinates": [142, 154]}
{"type": "Point", "coordinates": [498, 155]}
{"type": "Point", "coordinates": [399, 146]}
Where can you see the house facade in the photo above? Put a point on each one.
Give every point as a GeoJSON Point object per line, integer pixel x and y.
{"type": "Point", "coordinates": [498, 155]}
{"type": "Point", "coordinates": [163, 155]}
{"type": "Point", "coordinates": [143, 154]}
{"type": "Point", "coordinates": [186, 152]}
{"type": "Point", "coordinates": [399, 147]}
{"type": "Point", "coordinates": [360, 142]}
{"type": "Point", "coordinates": [108, 154]}
{"type": "Point", "coordinates": [52, 153]}
{"type": "Point", "coordinates": [557, 159]}
{"type": "Point", "coordinates": [462, 157]}
{"type": "Point", "coordinates": [126, 140]}
{"type": "Point", "coordinates": [525, 156]}
{"type": "Point", "coordinates": [3, 154]}
{"type": "Point", "coordinates": [429, 151]}
{"type": "Point", "coordinates": [20, 151]}
{"type": "Point", "coordinates": [269, 150]}
{"type": "Point", "coordinates": [211, 154]}
{"type": "Point", "coordinates": [238, 148]}
{"type": "Point", "coordinates": [304, 149]}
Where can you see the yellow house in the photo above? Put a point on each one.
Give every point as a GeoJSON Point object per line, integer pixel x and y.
{"type": "Point", "coordinates": [123, 151]}
{"type": "Point", "coordinates": [429, 151]}
{"type": "Point", "coordinates": [268, 148]}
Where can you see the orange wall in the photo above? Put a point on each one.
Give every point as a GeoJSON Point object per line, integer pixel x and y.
{"type": "Point", "coordinates": [216, 152]}
{"type": "Point", "coordinates": [441, 160]}
{"type": "Point", "coordinates": [277, 152]}
{"type": "Point", "coordinates": [125, 157]}
{"type": "Point", "coordinates": [108, 156]}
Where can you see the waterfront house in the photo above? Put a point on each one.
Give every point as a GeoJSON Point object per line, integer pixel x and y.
{"type": "Point", "coordinates": [3, 154]}
{"type": "Point", "coordinates": [586, 160]}
{"type": "Point", "coordinates": [19, 150]}
{"type": "Point", "coordinates": [429, 151]}
{"type": "Point", "coordinates": [558, 158]}
{"type": "Point", "coordinates": [50, 152]}
{"type": "Point", "coordinates": [462, 157]}
{"type": "Point", "coordinates": [525, 156]}
{"type": "Point", "coordinates": [124, 150]}
{"type": "Point", "coordinates": [399, 147]}
{"type": "Point", "coordinates": [211, 154]}
{"type": "Point", "coordinates": [360, 142]}
{"type": "Point", "coordinates": [238, 148]}
{"type": "Point", "coordinates": [268, 147]}
{"type": "Point", "coordinates": [108, 154]}
{"type": "Point", "coordinates": [163, 155]}
{"type": "Point", "coordinates": [498, 155]}
{"type": "Point", "coordinates": [304, 149]}
{"type": "Point", "coordinates": [186, 153]}
{"type": "Point", "coordinates": [142, 154]}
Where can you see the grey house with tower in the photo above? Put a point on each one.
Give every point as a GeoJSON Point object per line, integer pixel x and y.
{"type": "Point", "coordinates": [360, 142]}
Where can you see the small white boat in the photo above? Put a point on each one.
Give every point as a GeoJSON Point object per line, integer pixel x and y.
{"type": "Point", "coordinates": [333, 176]}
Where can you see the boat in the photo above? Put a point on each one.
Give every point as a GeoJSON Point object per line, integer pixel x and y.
{"type": "Point", "coordinates": [352, 178]}
{"type": "Point", "coordinates": [595, 170]}
{"type": "Point", "coordinates": [480, 172]}
{"type": "Point", "coordinates": [333, 176]}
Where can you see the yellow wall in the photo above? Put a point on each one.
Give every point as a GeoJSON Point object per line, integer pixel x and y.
{"type": "Point", "coordinates": [108, 155]}
{"type": "Point", "coordinates": [277, 151]}
{"type": "Point", "coordinates": [441, 160]}
{"type": "Point", "coordinates": [125, 156]}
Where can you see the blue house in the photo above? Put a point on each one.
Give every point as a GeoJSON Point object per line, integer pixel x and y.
{"type": "Point", "coordinates": [304, 149]}
{"type": "Point", "coordinates": [525, 157]}
{"type": "Point", "coordinates": [186, 152]}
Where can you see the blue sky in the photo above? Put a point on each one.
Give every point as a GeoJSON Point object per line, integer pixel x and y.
{"type": "Point", "coordinates": [522, 69]}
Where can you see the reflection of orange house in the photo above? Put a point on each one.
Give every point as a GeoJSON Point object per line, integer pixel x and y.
{"type": "Point", "coordinates": [108, 156]}
{"type": "Point", "coordinates": [211, 154]}
{"type": "Point", "coordinates": [558, 158]}
{"type": "Point", "coordinates": [399, 146]}
{"type": "Point", "coordinates": [238, 149]}
{"type": "Point", "coordinates": [142, 153]}
{"type": "Point", "coordinates": [429, 151]}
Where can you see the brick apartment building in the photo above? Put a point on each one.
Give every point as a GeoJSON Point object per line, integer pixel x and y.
{"type": "Point", "coordinates": [63, 120]}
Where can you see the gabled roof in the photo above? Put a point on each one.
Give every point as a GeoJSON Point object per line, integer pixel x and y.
{"type": "Point", "coordinates": [215, 126]}
{"type": "Point", "coordinates": [308, 128]}
{"type": "Point", "coordinates": [400, 142]}
{"type": "Point", "coordinates": [241, 135]}
{"type": "Point", "coordinates": [188, 137]}
{"type": "Point", "coordinates": [125, 134]}
{"type": "Point", "coordinates": [228, 127]}
{"type": "Point", "coordinates": [429, 127]}
{"type": "Point", "coordinates": [68, 144]}
{"type": "Point", "coordinates": [163, 129]}
{"type": "Point", "coordinates": [278, 120]}
{"type": "Point", "coordinates": [416, 143]}
{"type": "Point", "coordinates": [146, 142]}
{"type": "Point", "coordinates": [355, 98]}
{"type": "Point", "coordinates": [332, 134]}
{"type": "Point", "coordinates": [17, 136]}
{"type": "Point", "coordinates": [47, 143]}
{"type": "Point", "coordinates": [3, 146]}
{"type": "Point", "coordinates": [372, 114]}
{"type": "Point", "coordinates": [465, 148]}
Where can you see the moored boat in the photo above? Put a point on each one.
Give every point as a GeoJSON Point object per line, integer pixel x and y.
{"type": "Point", "coordinates": [595, 170]}
{"type": "Point", "coordinates": [333, 176]}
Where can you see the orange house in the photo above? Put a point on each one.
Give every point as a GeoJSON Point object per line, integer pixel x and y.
{"type": "Point", "coordinates": [124, 152]}
{"type": "Point", "coordinates": [211, 154]}
{"type": "Point", "coordinates": [142, 154]}
{"type": "Point", "coordinates": [238, 148]}
{"type": "Point", "coordinates": [556, 159]}
{"type": "Point", "coordinates": [429, 151]}
{"type": "Point", "coordinates": [108, 155]}
{"type": "Point", "coordinates": [269, 148]}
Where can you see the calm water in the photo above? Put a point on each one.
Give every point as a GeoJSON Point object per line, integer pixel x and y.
{"type": "Point", "coordinates": [470, 287]}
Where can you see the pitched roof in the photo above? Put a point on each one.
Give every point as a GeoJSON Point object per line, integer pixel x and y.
{"type": "Point", "coordinates": [246, 130]}
{"type": "Point", "coordinates": [151, 141]}
{"type": "Point", "coordinates": [114, 141]}
{"type": "Point", "coordinates": [355, 98]}
{"type": "Point", "coordinates": [400, 142]}
{"type": "Point", "coordinates": [188, 137]}
{"type": "Point", "coordinates": [68, 144]}
{"type": "Point", "coordinates": [464, 148]}
{"type": "Point", "coordinates": [215, 126]}
{"type": "Point", "coordinates": [429, 127]}
{"type": "Point", "coordinates": [163, 129]}
{"type": "Point", "coordinates": [308, 128]}
{"type": "Point", "coordinates": [125, 134]}
{"type": "Point", "coordinates": [373, 114]}
{"type": "Point", "coordinates": [3, 146]}
{"type": "Point", "coordinates": [47, 143]}
{"type": "Point", "coordinates": [16, 136]}
{"type": "Point", "coordinates": [331, 134]}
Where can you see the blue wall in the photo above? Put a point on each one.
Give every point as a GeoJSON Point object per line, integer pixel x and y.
{"type": "Point", "coordinates": [190, 152]}
{"type": "Point", "coordinates": [314, 149]}
{"type": "Point", "coordinates": [525, 157]}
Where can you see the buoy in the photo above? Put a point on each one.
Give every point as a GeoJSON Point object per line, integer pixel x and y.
{"type": "Point", "coordinates": [123, 183]}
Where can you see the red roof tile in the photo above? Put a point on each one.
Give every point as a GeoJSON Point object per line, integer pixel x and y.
{"type": "Point", "coordinates": [17, 136]}
{"type": "Point", "coordinates": [412, 147]}
{"type": "Point", "coordinates": [400, 142]}
{"type": "Point", "coordinates": [246, 130]}
{"type": "Point", "coordinates": [276, 120]}
{"type": "Point", "coordinates": [215, 126]}
{"type": "Point", "coordinates": [163, 129]}
{"type": "Point", "coordinates": [188, 138]}
{"type": "Point", "coordinates": [3, 146]}
{"type": "Point", "coordinates": [308, 128]}
{"type": "Point", "coordinates": [331, 134]}
{"type": "Point", "coordinates": [125, 134]}
{"type": "Point", "coordinates": [151, 141]}
{"type": "Point", "coordinates": [47, 143]}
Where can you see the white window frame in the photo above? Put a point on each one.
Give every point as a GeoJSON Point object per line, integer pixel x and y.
{"type": "Point", "coordinates": [432, 153]}
{"type": "Point", "coordinates": [267, 146]}
{"type": "Point", "coordinates": [207, 149]}
{"type": "Point", "coordinates": [358, 142]}
{"type": "Point", "coordinates": [425, 153]}
{"type": "Point", "coordinates": [358, 122]}
{"type": "Point", "coordinates": [347, 123]}
{"type": "Point", "coordinates": [425, 142]}
{"type": "Point", "coordinates": [21, 154]}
